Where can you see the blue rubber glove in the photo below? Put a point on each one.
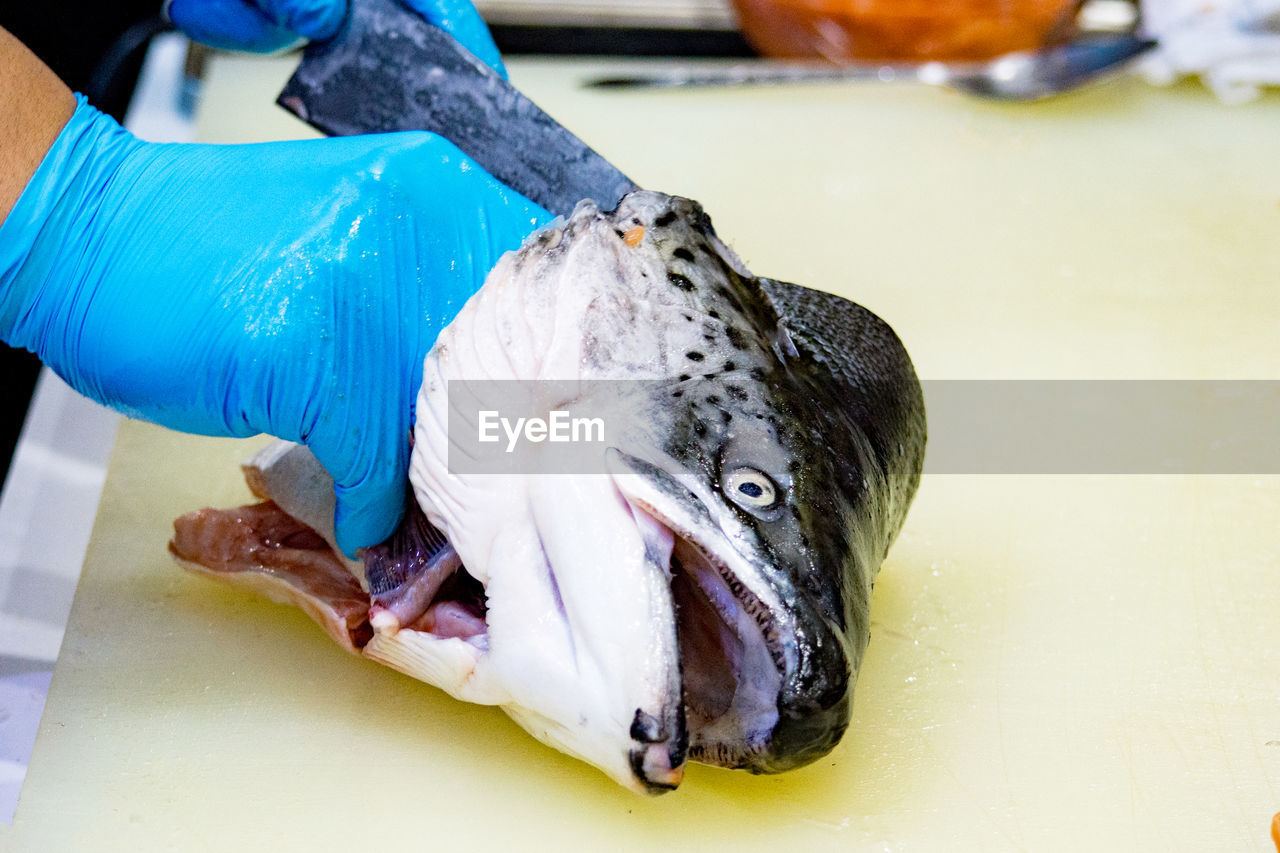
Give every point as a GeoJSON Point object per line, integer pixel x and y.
{"type": "Point", "coordinates": [291, 288]}
{"type": "Point", "coordinates": [263, 26]}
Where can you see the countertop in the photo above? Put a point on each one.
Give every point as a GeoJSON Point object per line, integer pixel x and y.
{"type": "Point", "coordinates": [1057, 662]}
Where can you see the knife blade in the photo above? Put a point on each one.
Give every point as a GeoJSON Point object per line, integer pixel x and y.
{"type": "Point", "coordinates": [390, 70]}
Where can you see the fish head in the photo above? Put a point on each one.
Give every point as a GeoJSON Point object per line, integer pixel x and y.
{"type": "Point", "coordinates": [771, 571]}
{"type": "Point", "coordinates": [766, 470]}
{"type": "Point", "coordinates": [705, 595]}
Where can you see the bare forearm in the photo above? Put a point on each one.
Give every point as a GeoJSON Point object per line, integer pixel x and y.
{"type": "Point", "coordinates": [34, 106]}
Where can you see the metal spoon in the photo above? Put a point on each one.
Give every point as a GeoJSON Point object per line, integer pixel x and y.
{"type": "Point", "coordinates": [1025, 75]}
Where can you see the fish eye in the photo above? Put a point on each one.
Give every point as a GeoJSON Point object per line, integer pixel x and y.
{"type": "Point", "coordinates": [751, 488]}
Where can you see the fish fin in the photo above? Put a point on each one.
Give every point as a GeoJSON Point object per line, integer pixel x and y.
{"type": "Point", "coordinates": [290, 475]}
{"type": "Point", "coordinates": [261, 548]}
{"type": "Point", "coordinates": [413, 547]}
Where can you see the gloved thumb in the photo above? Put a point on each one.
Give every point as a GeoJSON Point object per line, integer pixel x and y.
{"type": "Point", "coordinates": [460, 19]}
{"type": "Point", "coordinates": [367, 513]}
{"type": "Point", "coordinates": [258, 26]}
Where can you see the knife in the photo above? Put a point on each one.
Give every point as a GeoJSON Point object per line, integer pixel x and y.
{"type": "Point", "coordinates": [389, 70]}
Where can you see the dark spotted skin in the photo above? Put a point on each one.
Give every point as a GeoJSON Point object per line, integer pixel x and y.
{"type": "Point", "coordinates": [819, 393]}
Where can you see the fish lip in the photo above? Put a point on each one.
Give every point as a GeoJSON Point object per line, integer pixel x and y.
{"type": "Point", "coordinates": [657, 767]}
{"type": "Point", "coordinates": [660, 743]}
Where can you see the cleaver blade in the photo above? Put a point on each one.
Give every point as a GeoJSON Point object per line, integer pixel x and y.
{"type": "Point", "coordinates": [390, 70]}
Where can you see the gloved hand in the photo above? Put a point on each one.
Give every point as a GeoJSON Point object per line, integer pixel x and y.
{"type": "Point", "coordinates": [291, 288]}
{"type": "Point", "coordinates": [263, 26]}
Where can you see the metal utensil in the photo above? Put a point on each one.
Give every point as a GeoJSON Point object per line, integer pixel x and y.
{"type": "Point", "coordinates": [1025, 75]}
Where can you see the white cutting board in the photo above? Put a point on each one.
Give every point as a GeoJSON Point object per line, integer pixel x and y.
{"type": "Point", "coordinates": [1057, 663]}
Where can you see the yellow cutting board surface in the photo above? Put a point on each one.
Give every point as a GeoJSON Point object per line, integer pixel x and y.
{"type": "Point", "coordinates": [1057, 663]}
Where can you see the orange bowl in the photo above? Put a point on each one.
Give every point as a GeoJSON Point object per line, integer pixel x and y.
{"type": "Point", "coordinates": [844, 30]}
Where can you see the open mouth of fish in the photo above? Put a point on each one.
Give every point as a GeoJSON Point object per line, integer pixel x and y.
{"type": "Point", "coordinates": [434, 625]}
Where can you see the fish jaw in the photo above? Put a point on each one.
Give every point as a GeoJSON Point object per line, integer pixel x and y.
{"type": "Point", "coordinates": [768, 687]}
{"type": "Point", "coordinates": [580, 623]}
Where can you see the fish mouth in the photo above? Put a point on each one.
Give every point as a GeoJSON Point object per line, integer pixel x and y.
{"type": "Point", "coordinates": [730, 660]}
{"type": "Point", "coordinates": [734, 695]}
{"type": "Point", "coordinates": [727, 662]}
{"type": "Point", "coordinates": [733, 662]}
{"type": "Point", "coordinates": [766, 679]}
{"type": "Point", "coordinates": [731, 678]}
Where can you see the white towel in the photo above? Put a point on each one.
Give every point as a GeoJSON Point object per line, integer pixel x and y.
{"type": "Point", "coordinates": [1234, 45]}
